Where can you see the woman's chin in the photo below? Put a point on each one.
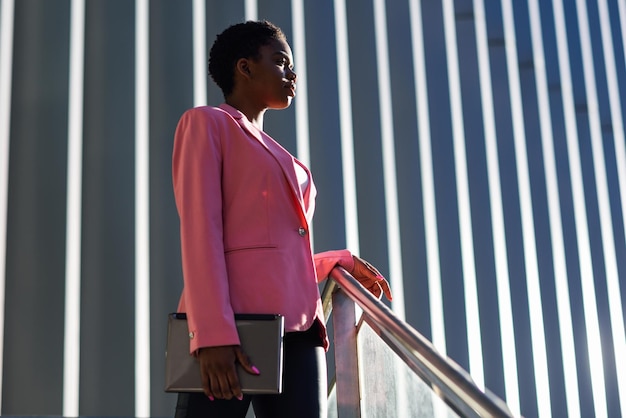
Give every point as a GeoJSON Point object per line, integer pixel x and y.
{"type": "Point", "coordinates": [284, 104]}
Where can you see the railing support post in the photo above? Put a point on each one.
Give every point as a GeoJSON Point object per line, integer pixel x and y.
{"type": "Point", "coordinates": [346, 356]}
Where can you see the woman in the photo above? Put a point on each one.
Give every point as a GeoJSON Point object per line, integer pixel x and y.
{"type": "Point", "coordinates": [245, 206]}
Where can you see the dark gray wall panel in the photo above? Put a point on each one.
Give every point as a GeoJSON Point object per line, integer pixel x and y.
{"type": "Point", "coordinates": [409, 181]}
{"type": "Point", "coordinates": [478, 183]}
{"type": "Point", "coordinates": [108, 269]}
{"type": "Point", "coordinates": [445, 183]}
{"type": "Point", "coordinates": [324, 126]}
{"type": "Point", "coordinates": [281, 125]}
{"type": "Point", "coordinates": [511, 204]}
{"type": "Point", "coordinates": [367, 133]}
{"type": "Point", "coordinates": [608, 147]}
{"type": "Point", "coordinates": [35, 270]}
{"type": "Point", "coordinates": [171, 93]}
{"type": "Point", "coordinates": [219, 15]}
{"type": "Point", "coordinates": [565, 192]}
{"type": "Point", "coordinates": [584, 138]}
{"type": "Point", "coordinates": [538, 193]}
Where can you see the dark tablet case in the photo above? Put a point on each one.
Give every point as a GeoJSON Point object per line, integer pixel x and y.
{"type": "Point", "coordinates": [261, 337]}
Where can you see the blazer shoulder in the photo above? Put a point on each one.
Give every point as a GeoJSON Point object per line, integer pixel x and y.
{"type": "Point", "coordinates": [212, 118]}
{"type": "Point", "coordinates": [207, 113]}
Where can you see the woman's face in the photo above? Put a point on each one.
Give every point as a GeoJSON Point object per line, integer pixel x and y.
{"type": "Point", "coordinates": [273, 81]}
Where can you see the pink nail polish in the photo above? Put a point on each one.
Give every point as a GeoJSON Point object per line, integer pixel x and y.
{"type": "Point", "coordinates": [211, 398]}
{"type": "Point", "coordinates": [240, 397]}
{"type": "Point", "coordinates": [254, 369]}
{"type": "Point", "coordinates": [379, 277]}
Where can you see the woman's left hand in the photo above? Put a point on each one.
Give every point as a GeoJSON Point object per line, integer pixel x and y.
{"type": "Point", "coordinates": [370, 278]}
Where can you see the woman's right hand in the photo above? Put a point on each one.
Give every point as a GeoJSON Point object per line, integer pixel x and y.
{"type": "Point", "coordinates": [219, 375]}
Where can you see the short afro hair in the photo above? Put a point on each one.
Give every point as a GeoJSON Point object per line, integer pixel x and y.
{"type": "Point", "coordinates": [242, 40]}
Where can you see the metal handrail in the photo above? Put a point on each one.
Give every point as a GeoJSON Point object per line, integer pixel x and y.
{"type": "Point", "coordinates": [453, 384]}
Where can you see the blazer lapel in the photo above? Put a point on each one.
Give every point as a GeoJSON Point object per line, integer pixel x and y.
{"type": "Point", "coordinates": [282, 156]}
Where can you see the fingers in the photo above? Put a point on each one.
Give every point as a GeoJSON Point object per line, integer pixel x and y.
{"type": "Point", "coordinates": [372, 286]}
{"type": "Point", "coordinates": [219, 375]}
{"type": "Point", "coordinates": [245, 362]}
{"type": "Point", "coordinates": [384, 285]}
{"type": "Point", "coordinates": [225, 386]}
{"type": "Point", "coordinates": [366, 273]}
{"type": "Point", "coordinates": [364, 267]}
{"type": "Point", "coordinates": [205, 384]}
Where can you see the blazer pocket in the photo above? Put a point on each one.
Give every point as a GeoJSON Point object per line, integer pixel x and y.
{"type": "Point", "coordinates": [252, 264]}
{"type": "Point", "coordinates": [229, 251]}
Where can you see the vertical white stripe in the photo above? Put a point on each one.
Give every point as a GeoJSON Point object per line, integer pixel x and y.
{"type": "Point", "coordinates": [540, 362]}
{"type": "Point", "coordinates": [580, 216]}
{"type": "Point", "coordinates": [302, 98]}
{"type": "Point", "coordinates": [142, 212]}
{"type": "Point", "coordinates": [345, 122]}
{"type": "Point", "coordinates": [302, 101]}
{"type": "Point", "coordinates": [6, 65]}
{"type": "Point", "coordinates": [389, 158]}
{"type": "Point", "coordinates": [622, 18]}
{"type": "Point", "coordinates": [507, 329]}
{"type": "Point", "coordinates": [251, 10]}
{"type": "Point", "coordinates": [472, 315]}
{"type": "Point", "coordinates": [200, 70]}
{"type": "Point", "coordinates": [602, 189]}
{"type": "Point", "coordinates": [564, 310]}
{"type": "Point", "coordinates": [615, 301]}
{"type": "Point", "coordinates": [428, 182]}
{"type": "Point", "coordinates": [71, 354]}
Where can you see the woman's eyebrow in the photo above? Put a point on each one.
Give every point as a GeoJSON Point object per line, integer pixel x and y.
{"type": "Point", "coordinates": [284, 55]}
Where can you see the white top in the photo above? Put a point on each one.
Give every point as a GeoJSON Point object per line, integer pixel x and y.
{"type": "Point", "coordinates": [303, 177]}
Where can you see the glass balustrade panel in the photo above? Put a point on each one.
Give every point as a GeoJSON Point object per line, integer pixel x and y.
{"type": "Point", "coordinates": [389, 388]}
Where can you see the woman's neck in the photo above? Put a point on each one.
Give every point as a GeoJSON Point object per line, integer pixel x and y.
{"type": "Point", "coordinates": [249, 109]}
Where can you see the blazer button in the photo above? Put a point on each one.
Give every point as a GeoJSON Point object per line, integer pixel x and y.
{"type": "Point", "coordinates": [302, 231]}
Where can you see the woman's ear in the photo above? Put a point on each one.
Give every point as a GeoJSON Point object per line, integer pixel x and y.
{"type": "Point", "coordinates": [242, 67]}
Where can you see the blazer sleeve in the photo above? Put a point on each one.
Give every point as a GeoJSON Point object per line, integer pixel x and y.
{"type": "Point", "coordinates": [196, 172]}
{"type": "Point", "coordinates": [327, 260]}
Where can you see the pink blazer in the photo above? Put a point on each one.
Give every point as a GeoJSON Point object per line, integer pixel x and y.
{"type": "Point", "coordinates": [244, 226]}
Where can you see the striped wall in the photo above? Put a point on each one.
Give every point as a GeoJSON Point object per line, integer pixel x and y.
{"type": "Point", "coordinates": [473, 150]}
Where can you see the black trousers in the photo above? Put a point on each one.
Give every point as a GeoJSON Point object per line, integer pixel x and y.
{"type": "Point", "coordinates": [304, 387]}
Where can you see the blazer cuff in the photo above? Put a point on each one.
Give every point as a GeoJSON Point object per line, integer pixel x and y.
{"type": "Point", "coordinates": [327, 260]}
{"type": "Point", "coordinates": [199, 339]}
